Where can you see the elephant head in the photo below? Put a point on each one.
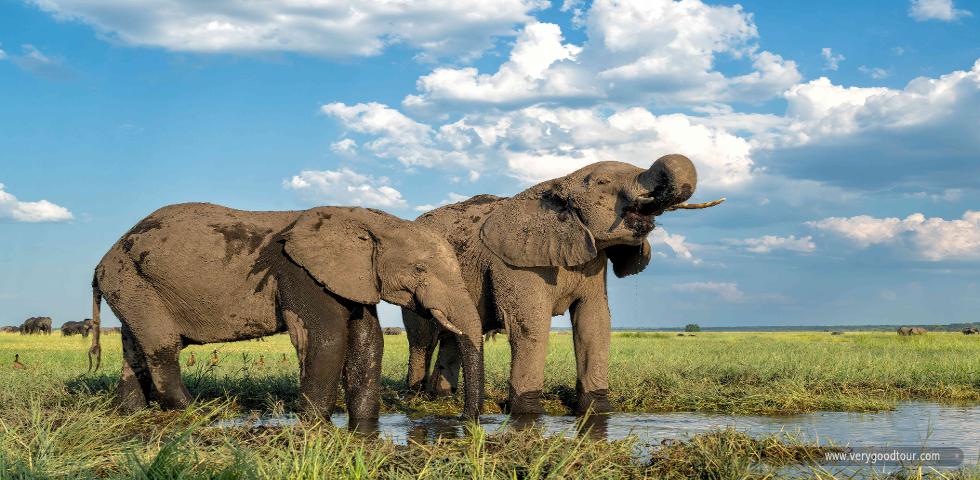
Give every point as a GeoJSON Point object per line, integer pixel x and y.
{"type": "Point", "coordinates": [604, 206]}
{"type": "Point", "coordinates": [368, 256]}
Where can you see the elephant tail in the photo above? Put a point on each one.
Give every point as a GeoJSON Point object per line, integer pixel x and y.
{"type": "Point", "coordinates": [96, 309]}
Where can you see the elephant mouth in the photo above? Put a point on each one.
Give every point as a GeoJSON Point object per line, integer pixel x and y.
{"type": "Point", "coordinates": [640, 222]}
{"type": "Point", "coordinates": [639, 215]}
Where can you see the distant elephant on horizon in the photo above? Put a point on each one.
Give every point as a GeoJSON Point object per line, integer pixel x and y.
{"type": "Point", "coordinates": [906, 331]}
{"type": "Point", "coordinates": [971, 330]}
{"type": "Point", "coordinates": [36, 325]}
{"type": "Point", "coordinates": [541, 253]}
{"type": "Point", "coordinates": [198, 273]}
{"type": "Point", "coordinates": [10, 329]}
{"type": "Point", "coordinates": [77, 328]}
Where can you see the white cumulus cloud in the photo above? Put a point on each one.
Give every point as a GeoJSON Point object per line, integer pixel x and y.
{"type": "Point", "coordinates": [943, 10]}
{"type": "Point", "coordinates": [768, 243]}
{"type": "Point", "coordinates": [832, 60]}
{"type": "Point", "coordinates": [334, 28]}
{"type": "Point", "coordinates": [653, 51]}
{"type": "Point", "coordinates": [677, 244]}
{"type": "Point", "coordinates": [345, 187]}
{"type": "Point", "coordinates": [39, 211]}
{"type": "Point", "coordinates": [933, 239]}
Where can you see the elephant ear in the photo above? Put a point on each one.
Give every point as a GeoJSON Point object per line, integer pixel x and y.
{"type": "Point", "coordinates": [337, 252]}
{"type": "Point", "coordinates": [629, 259]}
{"type": "Point", "coordinates": [537, 233]}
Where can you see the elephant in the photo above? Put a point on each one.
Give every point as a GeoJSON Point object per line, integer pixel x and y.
{"type": "Point", "coordinates": [971, 330]}
{"type": "Point", "coordinates": [906, 331]}
{"type": "Point", "coordinates": [77, 328]}
{"type": "Point", "coordinates": [36, 325]}
{"type": "Point", "coordinates": [199, 273]}
{"type": "Point", "coordinates": [393, 331]}
{"type": "Point", "coordinates": [541, 253]}
{"type": "Point", "coordinates": [9, 329]}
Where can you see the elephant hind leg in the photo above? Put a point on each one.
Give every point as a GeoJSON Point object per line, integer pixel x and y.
{"type": "Point", "coordinates": [135, 385]}
{"type": "Point", "coordinates": [152, 333]}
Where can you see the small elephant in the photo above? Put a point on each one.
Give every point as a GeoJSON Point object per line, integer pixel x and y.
{"type": "Point", "coordinates": [9, 329]}
{"type": "Point", "coordinates": [198, 273]}
{"type": "Point", "coordinates": [36, 325]}
{"type": "Point", "coordinates": [541, 253]}
{"type": "Point", "coordinates": [971, 330]}
{"type": "Point", "coordinates": [77, 328]}
{"type": "Point", "coordinates": [907, 331]}
{"type": "Point", "coordinates": [393, 331]}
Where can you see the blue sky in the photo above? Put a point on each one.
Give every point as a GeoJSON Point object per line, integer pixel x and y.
{"type": "Point", "coordinates": [842, 133]}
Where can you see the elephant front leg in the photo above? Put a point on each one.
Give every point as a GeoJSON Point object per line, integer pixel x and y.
{"type": "Point", "coordinates": [445, 373]}
{"type": "Point", "coordinates": [322, 364]}
{"type": "Point", "coordinates": [528, 351]}
{"type": "Point", "coordinates": [591, 329]}
{"type": "Point", "coordinates": [362, 370]}
{"type": "Point", "coordinates": [422, 337]}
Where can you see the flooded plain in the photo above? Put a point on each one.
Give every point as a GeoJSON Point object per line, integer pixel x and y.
{"type": "Point", "coordinates": [911, 424]}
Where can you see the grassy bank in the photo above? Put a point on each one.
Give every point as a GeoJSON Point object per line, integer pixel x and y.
{"type": "Point", "coordinates": [56, 422]}
{"type": "Point", "coordinates": [761, 373]}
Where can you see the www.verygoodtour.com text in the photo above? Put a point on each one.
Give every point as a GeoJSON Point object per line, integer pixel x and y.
{"type": "Point", "coordinates": [927, 457]}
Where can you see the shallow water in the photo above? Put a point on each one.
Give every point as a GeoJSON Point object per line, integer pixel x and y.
{"type": "Point", "coordinates": [912, 424]}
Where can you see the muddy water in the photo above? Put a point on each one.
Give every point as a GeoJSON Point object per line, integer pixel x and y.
{"type": "Point", "coordinates": [911, 424]}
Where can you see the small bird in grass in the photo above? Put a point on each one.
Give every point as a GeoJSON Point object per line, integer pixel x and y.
{"type": "Point", "coordinates": [17, 364]}
{"type": "Point", "coordinates": [261, 361]}
{"type": "Point", "coordinates": [283, 360]}
{"type": "Point", "coordinates": [191, 361]}
{"type": "Point", "coordinates": [214, 358]}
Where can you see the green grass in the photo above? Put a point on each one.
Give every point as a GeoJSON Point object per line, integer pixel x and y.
{"type": "Point", "coordinates": [757, 373]}
{"type": "Point", "coordinates": [57, 422]}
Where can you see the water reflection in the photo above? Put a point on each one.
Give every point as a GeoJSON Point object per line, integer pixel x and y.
{"type": "Point", "coordinates": [911, 424]}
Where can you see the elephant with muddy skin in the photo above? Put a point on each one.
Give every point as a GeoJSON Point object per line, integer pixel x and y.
{"type": "Point", "coordinates": [541, 253]}
{"type": "Point", "coordinates": [201, 273]}
{"type": "Point", "coordinates": [77, 328]}
{"type": "Point", "coordinates": [36, 325]}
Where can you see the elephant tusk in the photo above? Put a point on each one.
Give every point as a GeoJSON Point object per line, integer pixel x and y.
{"type": "Point", "coordinates": [440, 318]}
{"type": "Point", "coordinates": [695, 206]}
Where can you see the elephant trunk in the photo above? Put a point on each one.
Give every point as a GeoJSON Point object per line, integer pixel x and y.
{"type": "Point", "coordinates": [459, 315]}
{"type": "Point", "coordinates": [669, 181]}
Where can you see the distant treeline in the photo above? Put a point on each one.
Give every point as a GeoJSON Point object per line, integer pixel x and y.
{"type": "Point", "coordinates": [950, 327]}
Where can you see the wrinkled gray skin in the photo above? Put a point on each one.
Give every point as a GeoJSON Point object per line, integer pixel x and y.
{"type": "Point", "coordinates": [36, 325]}
{"type": "Point", "coordinates": [906, 331]}
{"type": "Point", "coordinates": [201, 273]}
{"type": "Point", "coordinates": [544, 252]}
{"type": "Point", "coordinates": [77, 328]}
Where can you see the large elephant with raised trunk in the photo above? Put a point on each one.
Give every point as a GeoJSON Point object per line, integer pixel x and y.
{"type": "Point", "coordinates": [541, 253]}
{"type": "Point", "coordinates": [201, 273]}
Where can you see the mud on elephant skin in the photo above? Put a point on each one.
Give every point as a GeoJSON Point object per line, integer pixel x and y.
{"type": "Point", "coordinates": [201, 273]}
{"type": "Point", "coordinates": [541, 253]}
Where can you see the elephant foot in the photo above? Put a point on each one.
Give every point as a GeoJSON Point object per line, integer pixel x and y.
{"type": "Point", "coordinates": [528, 403]}
{"type": "Point", "coordinates": [364, 426]}
{"type": "Point", "coordinates": [130, 400]}
{"type": "Point", "coordinates": [439, 387]}
{"type": "Point", "coordinates": [596, 402]}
